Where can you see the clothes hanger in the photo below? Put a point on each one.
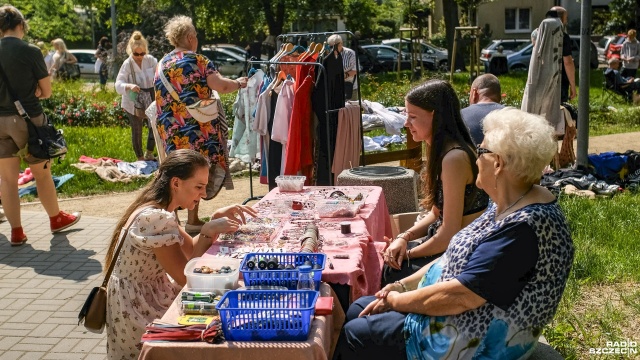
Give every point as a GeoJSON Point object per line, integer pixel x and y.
{"type": "Point", "coordinates": [308, 52]}
{"type": "Point", "coordinates": [279, 79]}
{"type": "Point", "coordinates": [279, 53]}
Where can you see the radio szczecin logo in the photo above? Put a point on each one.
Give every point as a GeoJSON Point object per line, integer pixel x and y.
{"type": "Point", "coordinates": [617, 347]}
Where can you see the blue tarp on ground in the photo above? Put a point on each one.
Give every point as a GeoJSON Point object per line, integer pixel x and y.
{"type": "Point", "coordinates": [31, 189]}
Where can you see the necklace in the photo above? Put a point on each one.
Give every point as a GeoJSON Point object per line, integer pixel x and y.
{"type": "Point", "coordinates": [514, 203]}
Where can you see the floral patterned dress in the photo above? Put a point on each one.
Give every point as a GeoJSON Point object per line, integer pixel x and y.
{"type": "Point", "coordinates": [187, 72]}
{"type": "Point", "coordinates": [139, 289]}
{"type": "Point", "coordinates": [490, 332]}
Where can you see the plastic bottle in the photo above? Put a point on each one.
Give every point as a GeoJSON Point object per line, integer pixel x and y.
{"type": "Point", "coordinates": [305, 278]}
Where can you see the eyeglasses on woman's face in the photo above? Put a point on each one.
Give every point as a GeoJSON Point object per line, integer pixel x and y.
{"type": "Point", "coordinates": [139, 53]}
{"type": "Point", "coordinates": [481, 151]}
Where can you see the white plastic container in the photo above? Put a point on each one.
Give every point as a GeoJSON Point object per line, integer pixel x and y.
{"type": "Point", "coordinates": [290, 183]}
{"type": "Point", "coordinates": [217, 283]}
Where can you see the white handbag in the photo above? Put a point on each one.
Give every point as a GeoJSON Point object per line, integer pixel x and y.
{"type": "Point", "coordinates": [203, 111]}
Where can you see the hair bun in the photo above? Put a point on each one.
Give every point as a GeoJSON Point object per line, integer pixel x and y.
{"type": "Point", "coordinates": [137, 36]}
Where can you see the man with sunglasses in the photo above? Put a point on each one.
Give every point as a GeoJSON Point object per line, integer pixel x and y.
{"type": "Point", "coordinates": [484, 97]}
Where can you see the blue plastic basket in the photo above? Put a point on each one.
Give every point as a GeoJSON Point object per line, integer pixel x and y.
{"type": "Point", "coordinates": [283, 315]}
{"type": "Point", "coordinates": [286, 278]}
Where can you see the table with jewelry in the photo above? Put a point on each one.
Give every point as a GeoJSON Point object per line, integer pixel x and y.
{"type": "Point", "coordinates": [284, 225]}
{"type": "Point", "coordinates": [284, 217]}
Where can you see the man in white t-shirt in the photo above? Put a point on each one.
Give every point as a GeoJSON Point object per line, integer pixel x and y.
{"type": "Point", "coordinates": [349, 64]}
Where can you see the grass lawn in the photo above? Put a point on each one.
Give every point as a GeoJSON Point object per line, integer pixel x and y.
{"type": "Point", "coordinates": [602, 300]}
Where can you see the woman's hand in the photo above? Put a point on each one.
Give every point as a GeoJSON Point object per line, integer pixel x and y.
{"type": "Point", "coordinates": [395, 253]}
{"type": "Point", "coordinates": [38, 92]}
{"type": "Point", "coordinates": [134, 88]}
{"type": "Point", "coordinates": [378, 306]}
{"type": "Point", "coordinates": [242, 81]}
{"type": "Point", "coordinates": [235, 212]}
{"type": "Point", "coordinates": [220, 225]}
{"type": "Point", "coordinates": [384, 292]}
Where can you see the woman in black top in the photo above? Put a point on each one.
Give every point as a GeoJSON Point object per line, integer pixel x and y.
{"type": "Point", "coordinates": [450, 194]}
{"type": "Point", "coordinates": [102, 54]}
{"type": "Point", "coordinates": [26, 74]}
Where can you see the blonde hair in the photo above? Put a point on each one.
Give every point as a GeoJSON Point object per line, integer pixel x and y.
{"type": "Point", "coordinates": [59, 45]}
{"type": "Point", "coordinates": [137, 41]}
{"type": "Point", "coordinates": [631, 33]}
{"type": "Point", "coordinates": [178, 28]}
{"type": "Point", "coordinates": [527, 142]}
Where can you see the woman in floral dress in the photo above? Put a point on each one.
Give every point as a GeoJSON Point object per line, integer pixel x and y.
{"type": "Point", "coordinates": [149, 270]}
{"type": "Point", "coordinates": [193, 76]}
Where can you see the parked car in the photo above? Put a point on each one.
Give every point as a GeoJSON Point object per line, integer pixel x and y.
{"type": "Point", "coordinates": [228, 63]}
{"type": "Point", "coordinates": [387, 57]}
{"type": "Point", "coordinates": [368, 62]}
{"type": "Point", "coordinates": [575, 52]}
{"type": "Point", "coordinates": [429, 51]}
{"type": "Point", "coordinates": [509, 46]}
{"type": "Point", "coordinates": [519, 60]}
{"type": "Point", "coordinates": [233, 48]}
{"type": "Point", "coordinates": [87, 62]}
{"type": "Point", "coordinates": [615, 46]}
{"type": "Point", "coordinates": [602, 46]}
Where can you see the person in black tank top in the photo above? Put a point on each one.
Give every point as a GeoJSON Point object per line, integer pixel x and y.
{"type": "Point", "coordinates": [448, 182]}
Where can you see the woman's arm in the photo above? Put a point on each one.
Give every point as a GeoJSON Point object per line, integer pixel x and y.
{"type": "Point", "coordinates": [440, 299]}
{"type": "Point", "coordinates": [456, 173]}
{"type": "Point", "coordinates": [122, 80]}
{"type": "Point", "coordinates": [44, 85]}
{"type": "Point", "coordinates": [398, 247]}
{"type": "Point", "coordinates": [71, 59]}
{"type": "Point", "coordinates": [173, 261]}
{"type": "Point", "coordinates": [224, 85]}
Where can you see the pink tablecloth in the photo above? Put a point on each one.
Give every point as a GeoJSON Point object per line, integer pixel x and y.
{"type": "Point", "coordinates": [319, 346]}
{"type": "Point", "coordinates": [374, 212]}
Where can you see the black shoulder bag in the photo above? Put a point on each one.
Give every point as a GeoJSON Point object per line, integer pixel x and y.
{"type": "Point", "coordinates": [45, 142]}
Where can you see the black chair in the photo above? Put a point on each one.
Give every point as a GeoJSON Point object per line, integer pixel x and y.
{"type": "Point", "coordinates": [610, 86]}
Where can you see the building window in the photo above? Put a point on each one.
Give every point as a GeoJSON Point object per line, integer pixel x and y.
{"type": "Point", "coordinates": [517, 20]}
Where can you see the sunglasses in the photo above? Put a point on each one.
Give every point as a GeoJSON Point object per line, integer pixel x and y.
{"type": "Point", "coordinates": [481, 151]}
{"type": "Point", "coordinates": [139, 54]}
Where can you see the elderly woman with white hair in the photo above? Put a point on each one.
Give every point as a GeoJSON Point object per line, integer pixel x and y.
{"type": "Point", "coordinates": [500, 280]}
{"type": "Point", "coordinates": [192, 76]}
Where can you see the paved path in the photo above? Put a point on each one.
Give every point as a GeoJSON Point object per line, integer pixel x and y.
{"type": "Point", "coordinates": [44, 283]}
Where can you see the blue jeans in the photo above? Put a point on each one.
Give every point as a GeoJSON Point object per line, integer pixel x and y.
{"type": "Point", "coordinates": [379, 336]}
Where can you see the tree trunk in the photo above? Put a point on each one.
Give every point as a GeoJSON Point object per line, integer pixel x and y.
{"type": "Point", "coordinates": [275, 20]}
{"type": "Point", "coordinates": [637, 18]}
{"type": "Point", "coordinates": [451, 21]}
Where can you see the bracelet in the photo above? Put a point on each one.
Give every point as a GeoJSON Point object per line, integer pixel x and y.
{"type": "Point", "coordinates": [205, 236]}
{"type": "Point", "coordinates": [404, 288]}
{"type": "Point", "coordinates": [238, 82]}
{"type": "Point", "coordinates": [409, 232]}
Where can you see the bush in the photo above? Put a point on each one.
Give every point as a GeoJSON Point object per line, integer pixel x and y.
{"type": "Point", "coordinates": [75, 103]}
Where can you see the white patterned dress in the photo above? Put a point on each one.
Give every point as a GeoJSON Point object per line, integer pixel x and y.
{"type": "Point", "coordinates": [139, 289]}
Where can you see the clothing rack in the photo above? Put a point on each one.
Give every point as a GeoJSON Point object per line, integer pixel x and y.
{"type": "Point", "coordinates": [299, 36]}
{"type": "Point", "coordinates": [326, 100]}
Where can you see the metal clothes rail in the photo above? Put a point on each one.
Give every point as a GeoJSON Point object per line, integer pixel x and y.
{"type": "Point", "coordinates": [326, 101]}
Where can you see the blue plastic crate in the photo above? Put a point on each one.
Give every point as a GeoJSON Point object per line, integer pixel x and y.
{"type": "Point", "coordinates": [283, 315]}
{"type": "Point", "coordinates": [286, 278]}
